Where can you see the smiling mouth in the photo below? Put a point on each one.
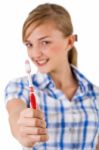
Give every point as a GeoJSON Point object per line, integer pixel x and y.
{"type": "Point", "coordinates": [41, 62]}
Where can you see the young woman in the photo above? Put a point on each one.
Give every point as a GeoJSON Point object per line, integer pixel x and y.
{"type": "Point", "coordinates": [68, 117]}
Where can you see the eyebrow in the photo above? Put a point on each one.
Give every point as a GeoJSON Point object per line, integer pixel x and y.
{"type": "Point", "coordinates": [43, 38]}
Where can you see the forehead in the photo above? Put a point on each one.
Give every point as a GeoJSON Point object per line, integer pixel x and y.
{"type": "Point", "coordinates": [37, 30]}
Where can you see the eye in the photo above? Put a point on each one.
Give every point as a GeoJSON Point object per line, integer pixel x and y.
{"type": "Point", "coordinates": [28, 45]}
{"type": "Point", "coordinates": [46, 42]}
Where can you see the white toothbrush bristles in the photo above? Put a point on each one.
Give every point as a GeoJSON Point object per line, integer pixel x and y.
{"type": "Point", "coordinates": [28, 71]}
{"type": "Point", "coordinates": [27, 66]}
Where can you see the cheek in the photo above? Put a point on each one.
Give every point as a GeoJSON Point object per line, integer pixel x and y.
{"type": "Point", "coordinates": [55, 49]}
{"type": "Point", "coordinates": [58, 52]}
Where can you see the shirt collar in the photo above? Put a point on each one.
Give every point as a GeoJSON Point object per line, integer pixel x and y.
{"type": "Point", "coordinates": [42, 81]}
{"type": "Point", "coordinates": [85, 88]}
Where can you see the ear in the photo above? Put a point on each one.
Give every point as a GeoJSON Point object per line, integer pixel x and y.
{"type": "Point", "coordinates": [70, 40]}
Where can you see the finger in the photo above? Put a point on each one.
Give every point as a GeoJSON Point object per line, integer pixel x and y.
{"type": "Point", "coordinates": [33, 131]}
{"type": "Point", "coordinates": [32, 113]}
{"type": "Point", "coordinates": [32, 122]}
{"type": "Point", "coordinates": [39, 138]}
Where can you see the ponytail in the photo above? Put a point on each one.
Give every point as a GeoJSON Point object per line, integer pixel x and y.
{"type": "Point", "coordinates": [72, 56]}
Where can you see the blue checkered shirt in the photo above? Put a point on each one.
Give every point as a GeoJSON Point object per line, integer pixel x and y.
{"type": "Point", "coordinates": [72, 125]}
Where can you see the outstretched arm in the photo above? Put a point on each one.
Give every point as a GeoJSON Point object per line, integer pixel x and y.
{"type": "Point", "coordinates": [28, 126]}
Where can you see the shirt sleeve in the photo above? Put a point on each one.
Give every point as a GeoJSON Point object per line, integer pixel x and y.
{"type": "Point", "coordinates": [17, 89]}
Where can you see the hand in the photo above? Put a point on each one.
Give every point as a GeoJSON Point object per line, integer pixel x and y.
{"type": "Point", "coordinates": [32, 127]}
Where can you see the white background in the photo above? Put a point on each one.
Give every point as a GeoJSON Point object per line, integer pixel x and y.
{"type": "Point", "coordinates": [13, 53]}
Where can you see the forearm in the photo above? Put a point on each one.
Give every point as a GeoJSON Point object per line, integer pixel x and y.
{"type": "Point", "coordinates": [13, 119]}
{"type": "Point", "coordinates": [14, 108]}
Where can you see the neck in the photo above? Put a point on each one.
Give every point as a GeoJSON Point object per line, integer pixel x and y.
{"type": "Point", "coordinates": [63, 78]}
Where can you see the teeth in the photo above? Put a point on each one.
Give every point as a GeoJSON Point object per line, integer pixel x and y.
{"type": "Point", "coordinates": [42, 61]}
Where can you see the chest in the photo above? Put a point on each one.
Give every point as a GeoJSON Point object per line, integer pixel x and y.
{"type": "Point", "coordinates": [77, 122]}
{"type": "Point", "coordinates": [85, 111]}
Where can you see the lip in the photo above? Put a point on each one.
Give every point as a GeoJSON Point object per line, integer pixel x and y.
{"type": "Point", "coordinates": [42, 62]}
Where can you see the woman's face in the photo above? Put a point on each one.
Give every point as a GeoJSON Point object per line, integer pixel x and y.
{"type": "Point", "coordinates": [47, 48]}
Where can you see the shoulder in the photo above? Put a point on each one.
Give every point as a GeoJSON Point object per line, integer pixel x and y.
{"type": "Point", "coordinates": [18, 88]}
{"type": "Point", "coordinates": [95, 94]}
{"type": "Point", "coordinates": [87, 86]}
{"type": "Point", "coordinates": [20, 81]}
{"type": "Point", "coordinates": [38, 80]}
{"type": "Point", "coordinates": [96, 90]}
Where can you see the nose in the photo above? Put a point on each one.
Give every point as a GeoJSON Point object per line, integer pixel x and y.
{"type": "Point", "coordinates": [35, 52]}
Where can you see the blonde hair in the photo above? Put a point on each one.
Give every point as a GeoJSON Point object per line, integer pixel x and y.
{"type": "Point", "coordinates": [59, 15]}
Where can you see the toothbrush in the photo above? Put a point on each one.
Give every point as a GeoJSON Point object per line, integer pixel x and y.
{"type": "Point", "coordinates": [32, 95]}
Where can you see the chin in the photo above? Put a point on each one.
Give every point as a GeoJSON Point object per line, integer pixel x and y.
{"type": "Point", "coordinates": [46, 71]}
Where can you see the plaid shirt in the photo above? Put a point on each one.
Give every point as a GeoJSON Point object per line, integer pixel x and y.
{"type": "Point", "coordinates": [72, 125]}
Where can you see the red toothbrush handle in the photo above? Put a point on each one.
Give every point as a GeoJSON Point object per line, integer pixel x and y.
{"type": "Point", "coordinates": [32, 98]}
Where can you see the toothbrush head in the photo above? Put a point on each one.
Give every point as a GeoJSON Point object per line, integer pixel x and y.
{"type": "Point", "coordinates": [27, 66]}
